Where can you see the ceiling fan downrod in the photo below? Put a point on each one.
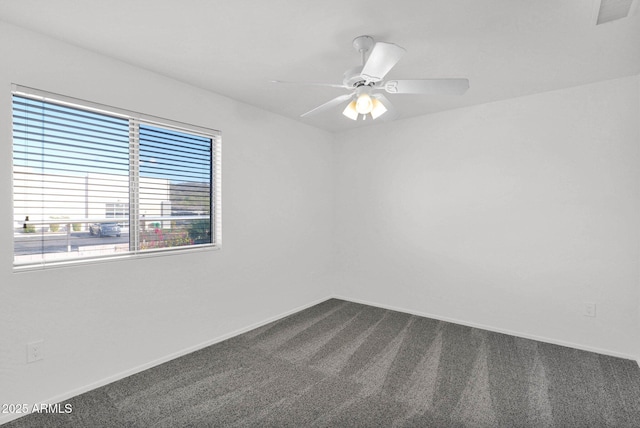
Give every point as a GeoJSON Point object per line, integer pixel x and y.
{"type": "Point", "coordinates": [363, 44]}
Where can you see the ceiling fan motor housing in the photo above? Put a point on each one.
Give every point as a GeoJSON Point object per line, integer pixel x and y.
{"type": "Point", "coordinates": [352, 77]}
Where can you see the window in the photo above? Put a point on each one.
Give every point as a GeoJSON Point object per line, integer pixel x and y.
{"type": "Point", "coordinates": [93, 182]}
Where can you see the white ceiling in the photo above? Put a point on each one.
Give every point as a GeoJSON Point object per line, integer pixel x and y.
{"type": "Point", "coordinates": [507, 48]}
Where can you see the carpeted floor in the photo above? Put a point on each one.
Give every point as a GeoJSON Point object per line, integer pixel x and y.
{"type": "Point", "coordinates": [342, 364]}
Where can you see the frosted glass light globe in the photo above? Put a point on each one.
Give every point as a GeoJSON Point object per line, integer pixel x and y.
{"type": "Point", "coordinates": [364, 105]}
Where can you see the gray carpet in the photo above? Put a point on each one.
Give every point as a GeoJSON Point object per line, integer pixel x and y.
{"type": "Point", "coordinates": [341, 364]}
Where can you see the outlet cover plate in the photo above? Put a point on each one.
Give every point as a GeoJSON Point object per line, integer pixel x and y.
{"type": "Point", "coordinates": [35, 351]}
{"type": "Point", "coordinates": [589, 309]}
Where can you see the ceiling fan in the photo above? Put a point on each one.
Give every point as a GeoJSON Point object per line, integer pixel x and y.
{"type": "Point", "coordinates": [366, 83]}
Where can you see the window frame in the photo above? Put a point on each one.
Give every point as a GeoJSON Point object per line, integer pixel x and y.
{"type": "Point", "coordinates": [135, 120]}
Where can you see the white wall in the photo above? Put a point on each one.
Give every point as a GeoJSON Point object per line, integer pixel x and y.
{"type": "Point", "coordinates": [508, 215]}
{"type": "Point", "coordinates": [104, 319]}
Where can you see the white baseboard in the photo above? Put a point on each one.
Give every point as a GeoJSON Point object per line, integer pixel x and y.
{"type": "Point", "coordinates": [70, 394]}
{"type": "Point", "coordinates": [496, 329]}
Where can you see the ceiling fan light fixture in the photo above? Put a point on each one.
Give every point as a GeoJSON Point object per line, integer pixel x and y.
{"type": "Point", "coordinates": [366, 82]}
{"type": "Point", "coordinates": [350, 111]}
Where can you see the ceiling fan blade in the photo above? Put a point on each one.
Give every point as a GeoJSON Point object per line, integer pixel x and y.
{"type": "Point", "coordinates": [382, 59]}
{"type": "Point", "coordinates": [391, 113]}
{"type": "Point", "coordinates": [330, 85]}
{"type": "Point", "coordinates": [427, 86]}
{"type": "Point", "coordinates": [329, 104]}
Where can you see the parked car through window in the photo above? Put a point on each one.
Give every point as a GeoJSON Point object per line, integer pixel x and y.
{"type": "Point", "coordinates": [105, 229]}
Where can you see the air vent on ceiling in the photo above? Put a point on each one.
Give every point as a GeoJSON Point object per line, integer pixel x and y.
{"type": "Point", "coordinates": [611, 10]}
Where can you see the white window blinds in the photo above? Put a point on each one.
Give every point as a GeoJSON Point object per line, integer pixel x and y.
{"type": "Point", "coordinates": [89, 183]}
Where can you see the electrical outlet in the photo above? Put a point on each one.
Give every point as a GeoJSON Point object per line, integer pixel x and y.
{"type": "Point", "coordinates": [35, 351]}
{"type": "Point", "coordinates": [589, 309]}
